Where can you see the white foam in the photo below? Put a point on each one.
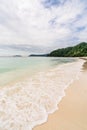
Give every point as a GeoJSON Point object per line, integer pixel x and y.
{"type": "Point", "coordinates": [28, 103]}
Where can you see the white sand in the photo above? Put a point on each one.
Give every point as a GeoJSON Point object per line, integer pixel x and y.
{"type": "Point", "coordinates": [72, 113]}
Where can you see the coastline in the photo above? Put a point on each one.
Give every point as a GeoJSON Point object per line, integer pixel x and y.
{"type": "Point", "coordinates": [37, 97]}
{"type": "Point", "coordinates": [71, 114]}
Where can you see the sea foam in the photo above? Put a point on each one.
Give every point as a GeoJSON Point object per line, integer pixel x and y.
{"type": "Point", "coordinates": [28, 103]}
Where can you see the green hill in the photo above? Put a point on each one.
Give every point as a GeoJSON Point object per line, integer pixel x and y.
{"type": "Point", "coordinates": [79, 50]}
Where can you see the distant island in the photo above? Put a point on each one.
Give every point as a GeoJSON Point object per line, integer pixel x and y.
{"type": "Point", "coordinates": [79, 50]}
{"type": "Point", "coordinates": [11, 56]}
{"type": "Point", "coordinates": [38, 55]}
{"type": "Point", "coordinates": [17, 56]}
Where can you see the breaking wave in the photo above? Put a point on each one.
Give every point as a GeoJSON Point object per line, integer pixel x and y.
{"type": "Point", "coordinates": [28, 103]}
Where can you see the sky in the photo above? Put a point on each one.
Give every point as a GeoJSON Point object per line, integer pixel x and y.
{"type": "Point", "coordinates": [39, 26]}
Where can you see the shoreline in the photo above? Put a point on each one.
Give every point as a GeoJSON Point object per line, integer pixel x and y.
{"type": "Point", "coordinates": [71, 113]}
{"type": "Point", "coordinates": [42, 105]}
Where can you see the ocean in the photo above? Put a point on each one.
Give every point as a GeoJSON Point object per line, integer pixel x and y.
{"type": "Point", "coordinates": [32, 87]}
{"type": "Point", "coordinates": [14, 68]}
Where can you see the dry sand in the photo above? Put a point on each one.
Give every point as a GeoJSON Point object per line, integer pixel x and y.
{"type": "Point", "coordinates": [72, 112]}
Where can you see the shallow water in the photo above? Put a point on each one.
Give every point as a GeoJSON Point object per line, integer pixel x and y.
{"type": "Point", "coordinates": [28, 102]}
{"type": "Point", "coordinates": [15, 69]}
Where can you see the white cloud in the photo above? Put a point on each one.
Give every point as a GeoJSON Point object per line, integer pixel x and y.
{"type": "Point", "coordinates": [30, 22]}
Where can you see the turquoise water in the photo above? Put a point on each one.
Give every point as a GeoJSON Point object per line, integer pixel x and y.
{"type": "Point", "coordinates": [14, 69]}
{"type": "Point", "coordinates": [32, 88]}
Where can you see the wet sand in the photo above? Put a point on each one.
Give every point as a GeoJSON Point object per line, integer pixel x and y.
{"type": "Point", "coordinates": [72, 112]}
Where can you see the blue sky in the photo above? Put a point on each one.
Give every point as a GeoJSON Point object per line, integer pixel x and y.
{"type": "Point", "coordinates": [38, 26]}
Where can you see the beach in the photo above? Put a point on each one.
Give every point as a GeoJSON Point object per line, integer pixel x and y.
{"type": "Point", "coordinates": [46, 100]}
{"type": "Point", "coordinates": [72, 110]}
{"type": "Point", "coordinates": [43, 65]}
